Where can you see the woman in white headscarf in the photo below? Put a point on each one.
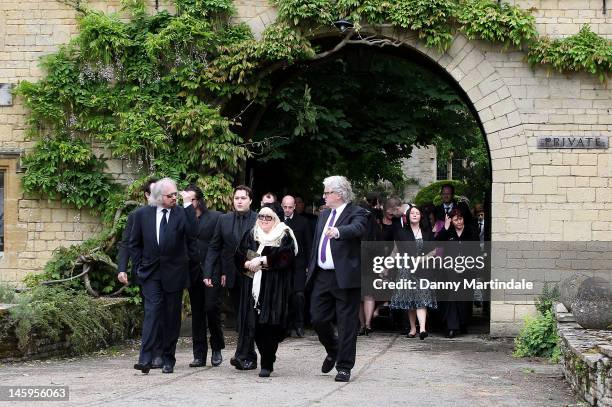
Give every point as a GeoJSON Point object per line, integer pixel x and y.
{"type": "Point", "coordinates": [267, 254]}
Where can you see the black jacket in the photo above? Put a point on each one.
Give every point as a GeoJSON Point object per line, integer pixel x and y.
{"type": "Point", "coordinates": [224, 243]}
{"type": "Point", "coordinates": [169, 261]}
{"type": "Point", "coordinates": [303, 234]}
{"type": "Point", "coordinates": [205, 229]}
{"type": "Point", "coordinates": [346, 250]}
{"type": "Point", "coordinates": [123, 251]}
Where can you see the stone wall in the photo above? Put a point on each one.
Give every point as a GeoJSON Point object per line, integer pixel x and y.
{"type": "Point", "coordinates": [422, 167]}
{"type": "Point", "coordinates": [586, 359]}
{"type": "Point", "coordinates": [537, 194]}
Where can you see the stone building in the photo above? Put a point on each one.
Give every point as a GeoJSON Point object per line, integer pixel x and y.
{"type": "Point", "coordinates": [537, 194]}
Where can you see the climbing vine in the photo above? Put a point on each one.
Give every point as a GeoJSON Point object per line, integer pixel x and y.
{"type": "Point", "coordinates": [165, 91]}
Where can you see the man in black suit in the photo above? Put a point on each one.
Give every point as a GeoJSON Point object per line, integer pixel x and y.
{"type": "Point", "coordinates": [205, 301]}
{"type": "Point", "coordinates": [335, 275]}
{"type": "Point", "coordinates": [447, 193]}
{"type": "Point", "coordinates": [303, 235]}
{"type": "Point", "coordinates": [229, 231]}
{"type": "Point", "coordinates": [159, 248]}
{"type": "Point", "coordinates": [123, 257]}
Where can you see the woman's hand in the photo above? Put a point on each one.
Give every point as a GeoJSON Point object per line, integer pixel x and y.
{"type": "Point", "coordinates": [447, 222]}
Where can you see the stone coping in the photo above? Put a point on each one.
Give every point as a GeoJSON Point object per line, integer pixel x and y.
{"type": "Point", "coordinates": [587, 358]}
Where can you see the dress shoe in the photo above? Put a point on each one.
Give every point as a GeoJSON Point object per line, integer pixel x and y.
{"type": "Point", "coordinates": [343, 376]}
{"type": "Point", "coordinates": [234, 362]}
{"type": "Point", "coordinates": [328, 364]}
{"type": "Point", "coordinates": [451, 334]}
{"type": "Point", "coordinates": [362, 331]}
{"type": "Point", "coordinates": [249, 365]}
{"type": "Point", "coordinates": [157, 363]}
{"type": "Point", "coordinates": [423, 335]}
{"type": "Point", "coordinates": [197, 363]}
{"type": "Point", "coordinates": [368, 331]}
{"type": "Point", "coordinates": [167, 369]}
{"type": "Point", "coordinates": [265, 372]}
{"type": "Point", "coordinates": [143, 367]}
{"type": "Point", "coordinates": [299, 332]}
{"type": "Point", "coordinates": [216, 358]}
{"type": "Point", "coordinates": [409, 335]}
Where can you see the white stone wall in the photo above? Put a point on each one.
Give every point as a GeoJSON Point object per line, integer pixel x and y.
{"type": "Point", "coordinates": [421, 166]}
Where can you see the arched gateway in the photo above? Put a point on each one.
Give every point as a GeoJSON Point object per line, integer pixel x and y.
{"type": "Point", "coordinates": [538, 194]}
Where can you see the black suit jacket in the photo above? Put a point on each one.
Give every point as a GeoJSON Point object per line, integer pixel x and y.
{"type": "Point", "coordinates": [461, 205]}
{"type": "Point", "coordinates": [223, 246]}
{"type": "Point", "coordinates": [346, 250]}
{"type": "Point", "coordinates": [205, 230]}
{"type": "Point", "coordinates": [123, 251]}
{"type": "Point", "coordinates": [303, 234]}
{"type": "Point", "coordinates": [169, 261]}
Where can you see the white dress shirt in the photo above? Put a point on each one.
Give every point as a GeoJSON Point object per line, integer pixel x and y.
{"type": "Point", "coordinates": [329, 261]}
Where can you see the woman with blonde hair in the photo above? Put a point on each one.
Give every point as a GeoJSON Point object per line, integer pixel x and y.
{"type": "Point", "coordinates": [266, 254]}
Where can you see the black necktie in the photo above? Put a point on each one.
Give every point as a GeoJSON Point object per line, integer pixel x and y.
{"type": "Point", "coordinates": [240, 226]}
{"type": "Point", "coordinates": [162, 226]}
{"type": "Point", "coordinates": [480, 226]}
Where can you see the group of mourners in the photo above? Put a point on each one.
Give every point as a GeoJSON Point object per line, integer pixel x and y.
{"type": "Point", "coordinates": [272, 263]}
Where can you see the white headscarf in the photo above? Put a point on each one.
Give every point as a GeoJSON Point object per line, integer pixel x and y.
{"type": "Point", "coordinates": [273, 238]}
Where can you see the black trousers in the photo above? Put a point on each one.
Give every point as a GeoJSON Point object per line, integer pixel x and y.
{"type": "Point", "coordinates": [455, 314]}
{"type": "Point", "coordinates": [205, 315]}
{"type": "Point", "coordinates": [329, 303]}
{"type": "Point", "coordinates": [296, 309]}
{"type": "Point", "coordinates": [163, 308]}
{"type": "Point", "coordinates": [245, 323]}
{"type": "Point", "coordinates": [157, 348]}
{"type": "Point", "coordinates": [267, 338]}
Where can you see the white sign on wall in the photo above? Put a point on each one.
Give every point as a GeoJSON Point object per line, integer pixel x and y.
{"type": "Point", "coordinates": [573, 142]}
{"type": "Point", "coordinates": [6, 97]}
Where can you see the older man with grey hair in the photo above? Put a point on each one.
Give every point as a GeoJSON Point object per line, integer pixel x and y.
{"type": "Point", "coordinates": [159, 243]}
{"type": "Point", "coordinates": [334, 274]}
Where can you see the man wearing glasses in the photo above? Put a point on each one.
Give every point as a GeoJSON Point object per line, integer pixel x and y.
{"type": "Point", "coordinates": [334, 274]}
{"type": "Point", "coordinates": [229, 231]}
{"type": "Point", "coordinates": [159, 249]}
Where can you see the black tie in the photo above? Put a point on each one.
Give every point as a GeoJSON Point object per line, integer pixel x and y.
{"type": "Point", "coordinates": [162, 226]}
{"type": "Point", "coordinates": [480, 226]}
{"type": "Point", "coordinates": [240, 226]}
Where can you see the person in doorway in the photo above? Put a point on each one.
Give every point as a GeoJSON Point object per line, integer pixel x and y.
{"type": "Point", "coordinates": [229, 231]}
{"type": "Point", "coordinates": [447, 194]}
{"type": "Point", "coordinates": [268, 253]}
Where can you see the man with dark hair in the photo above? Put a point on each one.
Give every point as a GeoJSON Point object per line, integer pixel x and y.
{"type": "Point", "coordinates": [123, 258]}
{"type": "Point", "coordinates": [229, 231]}
{"type": "Point", "coordinates": [447, 193]}
{"type": "Point", "coordinates": [205, 301]}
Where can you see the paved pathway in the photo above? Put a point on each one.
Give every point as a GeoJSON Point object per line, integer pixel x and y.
{"type": "Point", "coordinates": [391, 370]}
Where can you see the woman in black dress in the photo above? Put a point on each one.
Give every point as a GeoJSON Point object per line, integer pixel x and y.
{"type": "Point", "coordinates": [266, 254]}
{"type": "Point", "coordinates": [456, 314]}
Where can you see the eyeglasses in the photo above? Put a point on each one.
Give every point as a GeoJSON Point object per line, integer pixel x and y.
{"type": "Point", "coordinates": [172, 195]}
{"type": "Point", "coordinates": [265, 217]}
{"type": "Point", "coordinates": [325, 193]}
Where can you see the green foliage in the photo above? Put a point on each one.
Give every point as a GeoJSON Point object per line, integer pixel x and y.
{"type": "Point", "coordinates": [49, 312]}
{"type": "Point", "coordinates": [584, 51]}
{"type": "Point", "coordinates": [431, 193]}
{"type": "Point", "coordinates": [546, 300]}
{"type": "Point", "coordinates": [7, 293]}
{"type": "Point", "coordinates": [503, 23]}
{"type": "Point", "coordinates": [538, 337]}
{"type": "Point", "coordinates": [305, 12]}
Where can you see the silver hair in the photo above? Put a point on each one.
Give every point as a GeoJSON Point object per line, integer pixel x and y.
{"type": "Point", "coordinates": [341, 186]}
{"type": "Point", "coordinates": [157, 190]}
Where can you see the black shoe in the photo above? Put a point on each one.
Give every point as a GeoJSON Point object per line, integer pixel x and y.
{"type": "Point", "coordinates": [234, 362]}
{"type": "Point", "coordinates": [168, 369]}
{"type": "Point", "coordinates": [265, 372]}
{"type": "Point", "coordinates": [143, 367]}
{"type": "Point", "coordinates": [343, 376]}
{"type": "Point", "coordinates": [409, 335]}
{"type": "Point", "coordinates": [423, 335]}
{"type": "Point", "coordinates": [299, 332]}
{"type": "Point", "coordinates": [216, 358]}
{"type": "Point", "coordinates": [197, 362]}
{"type": "Point", "coordinates": [157, 363]}
{"type": "Point", "coordinates": [362, 331]}
{"type": "Point", "coordinates": [451, 334]}
{"type": "Point", "coordinates": [249, 365]}
{"type": "Point", "coordinates": [328, 364]}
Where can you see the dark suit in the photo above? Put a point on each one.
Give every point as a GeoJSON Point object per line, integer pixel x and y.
{"type": "Point", "coordinates": [229, 231]}
{"type": "Point", "coordinates": [205, 301]}
{"type": "Point", "coordinates": [163, 269]}
{"type": "Point", "coordinates": [123, 258]}
{"type": "Point", "coordinates": [465, 209]}
{"type": "Point", "coordinates": [303, 235]}
{"type": "Point", "coordinates": [336, 294]}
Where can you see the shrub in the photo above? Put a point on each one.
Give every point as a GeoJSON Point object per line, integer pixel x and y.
{"type": "Point", "coordinates": [431, 193]}
{"type": "Point", "coordinates": [538, 337]}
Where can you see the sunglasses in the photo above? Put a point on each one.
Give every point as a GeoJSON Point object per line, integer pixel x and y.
{"type": "Point", "coordinates": [265, 217]}
{"type": "Point", "coordinates": [172, 195]}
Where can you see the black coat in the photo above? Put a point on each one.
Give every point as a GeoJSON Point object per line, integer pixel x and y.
{"type": "Point", "coordinates": [169, 261]}
{"type": "Point", "coordinates": [123, 251]}
{"type": "Point", "coordinates": [465, 209]}
{"type": "Point", "coordinates": [223, 246]}
{"type": "Point", "coordinates": [205, 230]}
{"type": "Point", "coordinates": [303, 234]}
{"type": "Point", "coordinates": [346, 250]}
{"type": "Point", "coordinates": [275, 285]}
